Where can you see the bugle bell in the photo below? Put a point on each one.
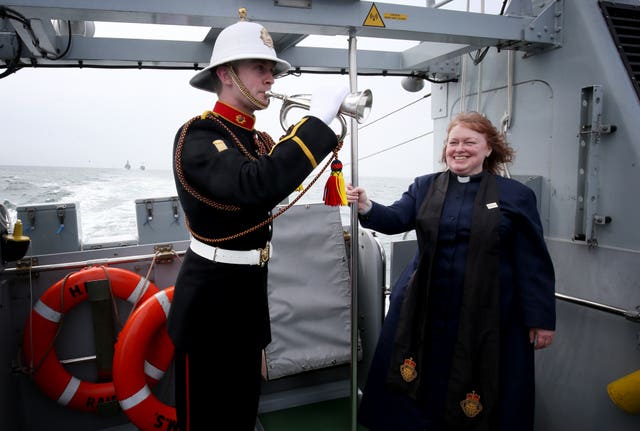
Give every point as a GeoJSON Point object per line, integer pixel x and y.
{"type": "Point", "coordinates": [355, 105]}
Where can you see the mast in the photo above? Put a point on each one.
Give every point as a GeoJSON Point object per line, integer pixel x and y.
{"type": "Point", "coordinates": [353, 82]}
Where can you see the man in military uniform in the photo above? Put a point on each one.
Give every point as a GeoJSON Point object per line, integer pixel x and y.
{"type": "Point", "coordinates": [229, 177]}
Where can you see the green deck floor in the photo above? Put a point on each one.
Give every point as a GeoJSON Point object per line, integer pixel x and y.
{"type": "Point", "coordinates": [332, 415]}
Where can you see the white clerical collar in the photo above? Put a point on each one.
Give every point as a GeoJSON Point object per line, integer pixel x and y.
{"type": "Point", "coordinates": [463, 179]}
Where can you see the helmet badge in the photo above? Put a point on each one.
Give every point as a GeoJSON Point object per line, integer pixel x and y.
{"type": "Point", "coordinates": [266, 37]}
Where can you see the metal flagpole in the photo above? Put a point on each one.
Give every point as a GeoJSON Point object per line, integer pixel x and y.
{"type": "Point", "coordinates": [353, 78]}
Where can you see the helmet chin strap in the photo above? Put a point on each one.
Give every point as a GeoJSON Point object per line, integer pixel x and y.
{"type": "Point", "coordinates": [245, 92]}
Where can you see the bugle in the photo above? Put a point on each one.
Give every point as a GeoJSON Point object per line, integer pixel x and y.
{"type": "Point", "coordinates": [355, 105]}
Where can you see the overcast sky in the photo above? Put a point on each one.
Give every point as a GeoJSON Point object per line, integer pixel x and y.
{"type": "Point", "coordinates": [102, 118]}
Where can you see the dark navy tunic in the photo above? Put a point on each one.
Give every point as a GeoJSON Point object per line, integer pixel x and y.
{"type": "Point", "coordinates": [526, 301]}
{"type": "Point", "coordinates": [224, 193]}
{"type": "Point", "coordinates": [228, 183]}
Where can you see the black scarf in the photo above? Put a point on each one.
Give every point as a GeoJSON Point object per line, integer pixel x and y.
{"type": "Point", "coordinates": [475, 362]}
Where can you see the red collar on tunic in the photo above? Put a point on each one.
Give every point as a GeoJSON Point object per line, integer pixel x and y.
{"type": "Point", "coordinates": [239, 118]}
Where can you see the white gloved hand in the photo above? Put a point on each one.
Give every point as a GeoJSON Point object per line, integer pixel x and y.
{"type": "Point", "coordinates": [326, 101]}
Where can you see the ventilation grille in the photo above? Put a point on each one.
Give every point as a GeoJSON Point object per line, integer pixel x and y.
{"type": "Point", "coordinates": [624, 24]}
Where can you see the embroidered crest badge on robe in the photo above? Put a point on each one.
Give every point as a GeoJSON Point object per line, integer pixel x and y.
{"type": "Point", "coordinates": [408, 370]}
{"type": "Point", "coordinates": [471, 405]}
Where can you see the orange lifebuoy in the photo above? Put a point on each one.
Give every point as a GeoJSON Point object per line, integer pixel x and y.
{"type": "Point", "coordinates": [44, 322]}
{"type": "Point", "coordinates": [145, 328]}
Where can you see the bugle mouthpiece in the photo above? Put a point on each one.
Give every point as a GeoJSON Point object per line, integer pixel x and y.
{"type": "Point", "coordinates": [270, 93]}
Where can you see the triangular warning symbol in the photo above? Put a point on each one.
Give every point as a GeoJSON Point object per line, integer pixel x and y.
{"type": "Point", "coordinates": [373, 18]}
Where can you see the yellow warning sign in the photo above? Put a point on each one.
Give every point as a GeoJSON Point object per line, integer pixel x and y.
{"type": "Point", "coordinates": [373, 18]}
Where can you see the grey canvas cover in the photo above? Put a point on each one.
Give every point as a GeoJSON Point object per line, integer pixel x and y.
{"type": "Point", "coordinates": [309, 292]}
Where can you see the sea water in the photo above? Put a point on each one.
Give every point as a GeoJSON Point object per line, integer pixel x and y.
{"type": "Point", "coordinates": [105, 198]}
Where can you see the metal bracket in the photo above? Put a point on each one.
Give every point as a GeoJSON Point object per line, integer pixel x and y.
{"type": "Point", "coordinates": [149, 207]}
{"type": "Point", "coordinates": [546, 27]}
{"type": "Point", "coordinates": [60, 210]}
{"type": "Point", "coordinates": [588, 188]}
{"type": "Point", "coordinates": [31, 215]}
{"type": "Point", "coordinates": [164, 253]}
{"type": "Point", "coordinates": [25, 266]}
{"type": "Point", "coordinates": [174, 207]}
{"type": "Point", "coordinates": [633, 316]}
{"type": "Point", "coordinates": [41, 40]}
{"type": "Point", "coordinates": [446, 69]}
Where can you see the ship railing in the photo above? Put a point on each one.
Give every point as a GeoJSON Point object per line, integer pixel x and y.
{"type": "Point", "coordinates": [632, 315]}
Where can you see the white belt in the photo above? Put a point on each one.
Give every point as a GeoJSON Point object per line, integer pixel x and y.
{"type": "Point", "coordinates": [258, 256]}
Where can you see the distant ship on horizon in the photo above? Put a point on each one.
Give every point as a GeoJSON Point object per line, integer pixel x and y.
{"type": "Point", "coordinates": [127, 165]}
{"type": "Point", "coordinates": [142, 168]}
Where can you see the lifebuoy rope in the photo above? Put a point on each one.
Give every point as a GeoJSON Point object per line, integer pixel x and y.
{"type": "Point", "coordinates": [32, 369]}
{"type": "Point", "coordinates": [43, 310]}
{"type": "Point", "coordinates": [143, 408]}
{"type": "Point", "coordinates": [44, 325]}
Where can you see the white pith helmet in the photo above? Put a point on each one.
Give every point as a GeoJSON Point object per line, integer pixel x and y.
{"type": "Point", "coordinates": [243, 40]}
